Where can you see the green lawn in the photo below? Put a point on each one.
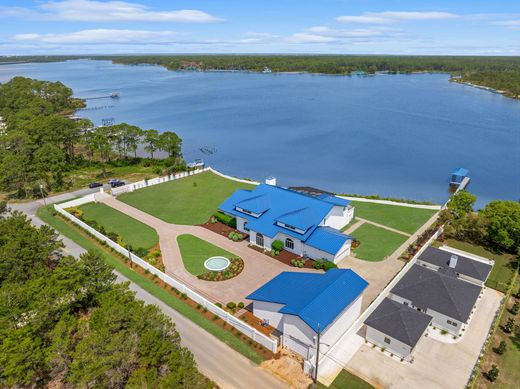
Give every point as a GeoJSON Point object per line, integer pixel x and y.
{"type": "Point", "coordinates": [190, 200]}
{"type": "Point", "coordinates": [346, 380]}
{"type": "Point", "coordinates": [376, 243]}
{"type": "Point", "coordinates": [46, 214]}
{"type": "Point", "coordinates": [404, 219]}
{"type": "Point", "coordinates": [502, 270]}
{"type": "Point", "coordinates": [195, 251]}
{"type": "Point", "coordinates": [132, 231]}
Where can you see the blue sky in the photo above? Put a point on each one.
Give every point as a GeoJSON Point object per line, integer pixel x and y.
{"type": "Point", "coordinates": [461, 27]}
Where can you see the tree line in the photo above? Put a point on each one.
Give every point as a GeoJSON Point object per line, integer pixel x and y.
{"type": "Point", "coordinates": [65, 323]}
{"type": "Point", "coordinates": [497, 225]}
{"type": "Point", "coordinates": [41, 145]}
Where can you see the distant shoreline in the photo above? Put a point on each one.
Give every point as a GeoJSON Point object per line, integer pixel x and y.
{"type": "Point", "coordinates": [486, 88]}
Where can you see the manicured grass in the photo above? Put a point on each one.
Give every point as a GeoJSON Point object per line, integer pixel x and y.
{"type": "Point", "coordinates": [190, 200]}
{"type": "Point", "coordinates": [346, 380]}
{"type": "Point", "coordinates": [401, 218]}
{"type": "Point", "coordinates": [131, 230]}
{"type": "Point", "coordinates": [195, 251]}
{"type": "Point", "coordinates": [46, 214]}
{"type": "Point", "coordinates": [502, 270]}
{"type": "Point", "coordinates": [376, 243]}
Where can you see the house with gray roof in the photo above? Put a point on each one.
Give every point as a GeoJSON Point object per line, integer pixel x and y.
{"type": "Point", "coordinates": [449, 300]}
{"type": "Point", "coordinates": [396, 327]}
{"type": "Point", "coordinates": [472, 269]}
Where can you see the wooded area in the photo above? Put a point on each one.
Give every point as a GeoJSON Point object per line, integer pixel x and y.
{"type": "Point", "coordinates": [64, 323]}
{"type": "Point", "coordinates": [41, 145]}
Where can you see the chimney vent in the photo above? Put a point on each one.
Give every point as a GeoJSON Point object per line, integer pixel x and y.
{"type": "Point", "coordinates": [270, 181]}
{"type": "Point", "coordinates": [453, 261]}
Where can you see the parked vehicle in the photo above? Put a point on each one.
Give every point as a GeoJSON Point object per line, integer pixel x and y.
{"type": "Point", "coordinates": [95, 185]}
{"type": "Point", "coordinates": [116, 183]}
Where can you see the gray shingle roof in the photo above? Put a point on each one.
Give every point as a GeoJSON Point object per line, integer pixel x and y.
{"type": "Point", "coordinates": [466, 266]}
{"type": "Point", "coordinates": [445, 294]}
{"type": "Point", "coordinates": [399, 321]}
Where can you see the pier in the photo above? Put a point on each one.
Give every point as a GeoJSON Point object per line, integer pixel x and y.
{"type": "Point", "coordinates": [113, 95]}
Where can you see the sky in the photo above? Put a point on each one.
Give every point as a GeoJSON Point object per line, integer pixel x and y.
{"type": "Point", "coordinates": [451, 27]}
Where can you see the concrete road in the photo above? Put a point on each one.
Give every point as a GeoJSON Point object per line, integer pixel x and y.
{"type": "Point", "coordinates": [215, 359]}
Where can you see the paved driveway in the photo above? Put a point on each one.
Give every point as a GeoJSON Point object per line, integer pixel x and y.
{"type": "Point", "coordinates": [258, 267]}
{"type": "Point", "coordinates": [436, 364]}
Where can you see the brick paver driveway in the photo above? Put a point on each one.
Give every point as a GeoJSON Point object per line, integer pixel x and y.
{"type": "Point", "coordinates": [258, 267]}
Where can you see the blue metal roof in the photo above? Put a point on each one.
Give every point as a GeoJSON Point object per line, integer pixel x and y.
{"type": "Point", "coordinates": [460, 171]}
{"type": "Point", "coordinates": [276, 204]}
{"type": "Point", "coordinates": [327, 239]}
{"type": "Point", "coordinates": [334, 200]}
{"type": "Point", "coordinates": [316, 298]}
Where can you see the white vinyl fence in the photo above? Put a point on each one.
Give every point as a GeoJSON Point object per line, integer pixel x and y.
{"type": "Point", "coordinates": [154, 181]}
{"type": "Point", "coordinates": [267, 342]}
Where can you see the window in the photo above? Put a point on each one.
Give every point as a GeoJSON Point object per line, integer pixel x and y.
{"type": "Point", "coordinates": [245, 227]}
{"type": "Point", "coordinates": [387, 340]}
{"type": "Point", "coordinates": [454, 324]}
{"type": "Point", "coordinates": [405, 303]}
{"type": "Point", "coordinates": [289, 243]}
{"type": "Point", "coordinates": [259, 240]}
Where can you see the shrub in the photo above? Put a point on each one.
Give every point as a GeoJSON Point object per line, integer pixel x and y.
{"type": "Point", "coordinates": [157, 170]}
{"type": "Point", "coordinates": [492, 374]}
{"type": "Point", "coordinates": [213, 219]}
{"type": "Point", "coordinates": [231, 305]}
{"type": "Point", "coordinates": [241, 305]}
{"type": "Point", "coordinates": [501, 349]}
{"type": "Point", "coordinates": [444, 332]}
{"type": "Point", "coordinates": [112, 236]}
{"type": "Point", "coordinates": [184, 296]}
{"type": "Point", "coordinates": [226, 219]}
{"type": "Point", "coordinates": [510, 325]}
{"type": "Point", "coordinates": [218, 305]}
{"type": "Point", "coordinates": [277, 245]}
{"type": "Point", "coordinates": [140, 252]}
{"type": "Point", "coordinates": [324, 264]}
{"type": "Point", "coordinates": [515, 308]}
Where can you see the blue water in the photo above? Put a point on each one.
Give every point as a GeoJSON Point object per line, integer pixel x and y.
{"type": "Point", "coordinates": [394, 135]}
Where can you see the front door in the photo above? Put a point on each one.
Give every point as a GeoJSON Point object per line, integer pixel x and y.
{"type": "Point", "coordinates": [259, 240]}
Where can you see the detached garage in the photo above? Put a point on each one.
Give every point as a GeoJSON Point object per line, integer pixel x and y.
{"type": "Point", "coordinates": [396, 327]}
{"type": "Point", "coordinates": [300, 305]}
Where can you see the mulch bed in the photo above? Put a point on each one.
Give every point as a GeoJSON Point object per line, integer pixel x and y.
{"type": "Point", "coordinates": [285, 257]}
{"type": "Point", "coordinates": [222, 229]}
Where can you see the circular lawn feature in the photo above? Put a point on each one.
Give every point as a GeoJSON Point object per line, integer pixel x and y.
{"type": "Point", "coordinates": [217, 263]}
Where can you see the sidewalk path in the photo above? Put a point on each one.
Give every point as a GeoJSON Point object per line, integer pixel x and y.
{"type": "Point", "coordinates": [383, 226]}
{"type": "Point", "coordinates": [359, 222]}
{"type": "Point", "coordinates": [258, 267]}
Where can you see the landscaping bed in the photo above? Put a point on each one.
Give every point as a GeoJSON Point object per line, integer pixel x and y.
{"type": "Point", "coordinates": [152, 284]}
{"type": "Point", "coordinates": [222, 229]}
{"type": "Point", "coordinates": [235, 268]}
{"type": "Point", "coordinates": [284, 256]}
{"type": "Point", "coordinates": [256, 323]}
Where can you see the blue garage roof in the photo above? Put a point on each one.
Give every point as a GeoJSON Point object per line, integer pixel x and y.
{"type": "Point", "coordinates": [279, 205]}
{"type": "Point", "coordinates": [316, 298]}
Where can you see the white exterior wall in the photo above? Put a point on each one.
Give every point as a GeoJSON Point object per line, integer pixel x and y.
{"type": "Point", "coordinates": [395, 346]}
{"type": "Point", "coordinates": [298, 245]}
{"type": "Point", "coordinates": [343, 251]}
{"type": "Point", "coordinates": [298, 336]}
{"type": "Point", "coordinates": [267, 241]}
{"type": "Point", "coordinates": [240, 224]}
{"type": "Point", "coordinates": [338, 327]}
{"type": "Point", "coordinates": [314, 253]}
{"type": "Point", "coordinates": [439, 320]}
{"type": "Point", "coordinates": [337, 218]}
{"type": "Point", "coordinates": [269, 311]}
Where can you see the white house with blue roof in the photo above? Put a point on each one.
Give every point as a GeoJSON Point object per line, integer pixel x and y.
{"type": "Point", "coordinates": [301, 304]}
{"type": "Point", "coordinates": [306, 225]}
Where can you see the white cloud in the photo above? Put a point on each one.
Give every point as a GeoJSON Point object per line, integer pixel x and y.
{"type": "Point", "coordinates": [510, 24]}
{"type": "Point", "coordinates": [102, 36]}
{"type": "Point", "coordinates": [258, 37]}
{"type": "Point", "coordinates": [114, 11]}
{"type": "Point", "coordinates": [324, 34]}
{"type": "Point", "coordinates": [394, 16]}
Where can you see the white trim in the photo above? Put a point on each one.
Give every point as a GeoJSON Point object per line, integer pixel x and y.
{"type": "Point", "coordinates": [389, 202]}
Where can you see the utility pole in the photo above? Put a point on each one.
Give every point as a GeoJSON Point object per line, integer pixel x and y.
{"type": "Point", "coordinates": [41, 192]}
{"type": "Point", "coordinates": [317, 356]}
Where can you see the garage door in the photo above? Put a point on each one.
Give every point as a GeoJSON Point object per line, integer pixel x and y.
{"type": "Point", "coordinates": [296, 345]}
